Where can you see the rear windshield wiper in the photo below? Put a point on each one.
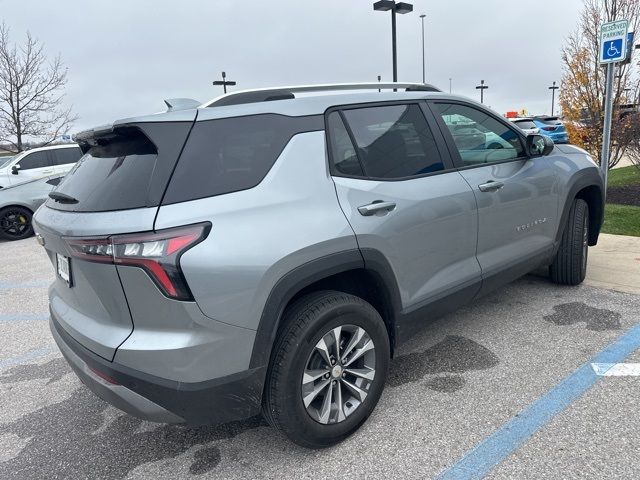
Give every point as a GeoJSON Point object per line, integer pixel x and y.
{"type": "Point", "coordinates": [62, 197]}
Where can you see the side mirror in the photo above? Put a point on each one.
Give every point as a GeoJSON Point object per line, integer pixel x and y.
{"type": "Point", "coordinates": [15, 169]}
{"type": "Point", "coordinates": [539, 145]}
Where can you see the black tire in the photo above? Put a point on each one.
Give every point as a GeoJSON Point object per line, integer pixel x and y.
{"type": "Point", "coordinates": [15, 223]}
{"type": "Point", "coordinates": [569, 266]}
{"type": "Point", "coordinates": [307, 321]}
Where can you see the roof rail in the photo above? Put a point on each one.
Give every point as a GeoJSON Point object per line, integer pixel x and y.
{"type": "Point", "coordinates": [284, 93]}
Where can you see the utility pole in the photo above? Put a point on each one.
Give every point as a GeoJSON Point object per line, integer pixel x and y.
{"type": "Point", "coordinates": [482, 87]}
{"type": "Point", "coordinates": [224, 82]}
{"type": "Point", "coordinates": [553, 89]}
{"type": "Point", "coordinates": [423, 61]}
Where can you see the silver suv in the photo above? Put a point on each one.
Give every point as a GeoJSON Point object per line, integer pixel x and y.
{"type": "Point", "coordinates": [268, 253]}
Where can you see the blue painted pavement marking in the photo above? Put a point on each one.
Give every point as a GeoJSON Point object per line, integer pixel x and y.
{"type": "Point", "coordinates": [25, 357]}
{"type": "Point", "coordinates": [19, 317]}
{"type": "Point", "coordinates": [480, 460]}
{"type": "Point", "coordinates": [34, 284]}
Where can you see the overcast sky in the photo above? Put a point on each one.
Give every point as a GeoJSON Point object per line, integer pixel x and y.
{"type": "Point", "coordinates": [125, 56]}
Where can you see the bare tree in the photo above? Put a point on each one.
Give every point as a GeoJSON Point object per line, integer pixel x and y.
{"type": "Point", "coordinates": [31, 97]}
{"type": "Point", "coordinates": [583, 81]}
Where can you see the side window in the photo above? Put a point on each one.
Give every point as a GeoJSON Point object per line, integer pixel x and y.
{"type": "Point", "coordinates": [34, 160]}
{"type": "Point", "coordinates": [64, 156]}
{"type": "Point", "coordinates": [54, 181]}
{"type": "Point", "coordinates": [343, 154]}
{"type": "Point", "coordinates": [479, 137]}
{"type": "Point", "coordinates": [394, 141]}
{"type": "Point", "coordinates": [232, 154]}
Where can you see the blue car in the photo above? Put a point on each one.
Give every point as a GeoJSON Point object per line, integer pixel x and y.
{"type": "Point", "coordinates": [553, 128]}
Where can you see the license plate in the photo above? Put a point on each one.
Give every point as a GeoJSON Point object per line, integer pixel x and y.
{"type": "Point", "coordinates": [64, 268]}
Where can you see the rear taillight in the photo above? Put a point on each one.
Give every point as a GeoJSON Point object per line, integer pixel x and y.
{"type": "Point", "coordinates": [157, 253]}
{"type": "Point", "coordinates": [548, 129]}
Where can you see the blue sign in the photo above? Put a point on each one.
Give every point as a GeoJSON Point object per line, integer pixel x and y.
{"type": "Point", "coordinates": [612, 50]}
{"type": "Point", "coordinates": [613, 41]}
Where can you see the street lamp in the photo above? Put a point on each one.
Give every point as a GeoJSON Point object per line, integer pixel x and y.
{"type": "Point", "coordinates": [401, 8]}
{"type": "Point", "coordinates": [224, 82]}
{"type": "Point", "coordinates": [423, 68]}
{"type": "Point", "coordinates": [553, 89]}
{"type": "Point", "coordinates": [482, 87]}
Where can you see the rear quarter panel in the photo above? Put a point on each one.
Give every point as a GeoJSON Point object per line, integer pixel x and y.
{"type": "Point", "coordinates": [259, 235]}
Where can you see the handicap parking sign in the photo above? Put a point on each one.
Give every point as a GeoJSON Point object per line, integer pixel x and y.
{"type": "Point", "coordinates": [613, 41]}
{"type": "Point", "coordinates": [613, 50]}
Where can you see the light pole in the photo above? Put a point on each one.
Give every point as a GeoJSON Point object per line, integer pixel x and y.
{"type": "Point", "coordinates": [449, 84]}
{"type": "Point", "coordinates": [224, 82]}
{"type": "Point", "coordinates": [482, 87]}
{"type": "Point", "coordinates": [553, 89]}
{"type": "Point", "coordinates": [401, 8]}
{"type": "Point", "coordinates": [423, 63]}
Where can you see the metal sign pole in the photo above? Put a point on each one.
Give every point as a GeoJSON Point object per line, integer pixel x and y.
{"type": "Point", "coordinates": [606, 131]}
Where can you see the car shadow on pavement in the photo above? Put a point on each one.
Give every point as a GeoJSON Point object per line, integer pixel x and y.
{"type": "Point", "coordinates": [69, 439]}
{"type": "Point", "coordinates": [80, 436]}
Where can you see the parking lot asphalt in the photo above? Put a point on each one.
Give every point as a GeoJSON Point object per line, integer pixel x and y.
{"type": "Point", "coordinates": [502, 388]}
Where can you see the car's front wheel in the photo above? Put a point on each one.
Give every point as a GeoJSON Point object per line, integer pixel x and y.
{"type": "Point", "coordinates": [328, 369]}
{"type": "Point", "coordinates": [569, 266]}
{"type": "Point", "coordinates": [15, 223]}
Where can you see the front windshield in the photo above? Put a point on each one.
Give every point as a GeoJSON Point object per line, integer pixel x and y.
{"type": "Point", "coordinates": [4, 161]}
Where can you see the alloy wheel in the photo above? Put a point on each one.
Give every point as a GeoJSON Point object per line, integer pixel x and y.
{"type": "Point", "coordinates": [338, 374]}
{"type": "Point", "coordinates": [14, 223]}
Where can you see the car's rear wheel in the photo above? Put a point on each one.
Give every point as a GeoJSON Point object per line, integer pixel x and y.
{"type": "Point", "coordinates": [569, 266]}
{"type": "Point", "coordinates": [328, 369]}
{"type": "Point", "coordinates": [15, 223]}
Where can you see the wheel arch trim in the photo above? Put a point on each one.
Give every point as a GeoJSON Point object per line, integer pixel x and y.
{"type": "Point", "coordinates": [307, 274]}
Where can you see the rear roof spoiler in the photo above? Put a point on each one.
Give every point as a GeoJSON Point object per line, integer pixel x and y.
{"type": "Point", "coordinates": [174, 104]}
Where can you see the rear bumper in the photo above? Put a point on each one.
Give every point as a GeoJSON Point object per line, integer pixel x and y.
{"type": "Point", "coordinates": [156, 399]}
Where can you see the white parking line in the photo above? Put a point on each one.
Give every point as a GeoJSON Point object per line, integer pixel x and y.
{"type": "Point", "coordinates": [616, 369]}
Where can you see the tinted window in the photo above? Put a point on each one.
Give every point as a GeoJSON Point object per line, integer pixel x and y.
{"type": "Point", "coordinates": [479, 137]}
{"type": "Point", "coordinates": [63, 156]}
{"type": "Point", "coordinates": [232, 154]}
{"type": "Point", "coordinates": [550, 121]}
{"type": "Point", "coordinates": [54, 181]}
{"type": "Point", "coordinates": [34, 160]}
{"type": "Point", "coordinates": [114, 176]}
{"type": "Point", "coordinates": [343, 154]}
{"type": "Point", "coordinates": [394, 141]}
{"type": "Point", "coordinates": [525, 124]}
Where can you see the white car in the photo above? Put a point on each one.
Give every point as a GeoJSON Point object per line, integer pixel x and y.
{"type": "Point", "coordinates": [526, 125]}
{"type": "Point", "coordinates": [39, 163]}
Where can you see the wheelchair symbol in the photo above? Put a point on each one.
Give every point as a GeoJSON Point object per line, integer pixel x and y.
{"type": "Point", "coordinates": [612, 51]}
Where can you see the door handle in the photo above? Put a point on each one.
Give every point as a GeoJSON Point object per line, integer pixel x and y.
{"type": "Point", "coordinates": [376, 206]}
{"type": "Point", "coordinates": [490, 186]}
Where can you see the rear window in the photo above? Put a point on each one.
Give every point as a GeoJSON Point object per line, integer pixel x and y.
{"type": "Point", "coordinates": [113, 176]}
{"type": "Point", "coordinates": [525, 124]}
{"type": "Point", "coordinates": [550, 121]}
{"type": "Point", "coordinates": [232, 154]}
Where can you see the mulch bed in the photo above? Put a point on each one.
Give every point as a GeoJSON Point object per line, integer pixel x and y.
{"type": "Point", "coordinates": [626, 195]}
